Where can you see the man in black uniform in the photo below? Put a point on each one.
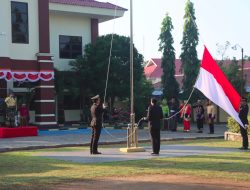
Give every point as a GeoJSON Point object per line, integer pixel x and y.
{"type": "Point", "coordinates": [243, 117]}
{"type": "Point", "coordinates": [154, 117]}
{"type": "Point", "coordinates": [96, 123]}
{"type": "Point", "coordinates": [199, 116]}
{"type": "Point", "coordinates": [173, 109]}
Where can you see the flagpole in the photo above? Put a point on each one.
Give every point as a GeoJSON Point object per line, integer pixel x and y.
{"type": "Point", "coordinates": [132, 131]}
{"type": "Point", "coordinates": [132, 114]}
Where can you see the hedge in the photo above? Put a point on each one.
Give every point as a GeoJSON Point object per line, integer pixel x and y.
{"type": "Point", "coordinates": [234, 127]}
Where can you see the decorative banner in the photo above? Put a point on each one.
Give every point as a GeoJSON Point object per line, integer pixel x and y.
{"type": "Point", "coordinates": [26, 76]}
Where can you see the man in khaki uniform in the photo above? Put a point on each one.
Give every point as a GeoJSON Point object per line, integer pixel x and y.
{"type": "Point", "coordinates": [211, 116]}
{"type": "Point", "coordinates": [96, 123]}
{"type": "Point", "coordinates": [11, 103]}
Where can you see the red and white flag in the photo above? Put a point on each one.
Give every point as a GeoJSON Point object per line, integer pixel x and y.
{"type": "Point", "coordinates": [213, 83]}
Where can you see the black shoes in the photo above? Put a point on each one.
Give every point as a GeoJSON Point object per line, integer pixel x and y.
{"type": "Point", "coordinates": [211, 133]}
{"type": "Point", "coordinates": [96, 153]}
{"type": "Point", "coordinates": [243, 148]}
{"type": "Point", "coordinates": [154, 154]}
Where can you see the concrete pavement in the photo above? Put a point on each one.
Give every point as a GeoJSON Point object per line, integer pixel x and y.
{"type": "Point", "coordinates": [50, 139]}
{"type": "Point", "coordinates": [113, 154]}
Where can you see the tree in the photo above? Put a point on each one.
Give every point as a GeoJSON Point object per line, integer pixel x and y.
{"type": "Point", "coordinates": [169, 84]}
{"type": "Point", "coordinates": [91, 69]}
{"type": "Point", "coordinates": [233, 75]}
{"type": "Point", "coordinates": [189, 59]}
{"type": "Point", "coordinates": [221, 50]}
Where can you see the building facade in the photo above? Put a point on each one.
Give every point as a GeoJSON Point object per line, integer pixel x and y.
{"type": "Point", "coordinates": [37, 36]}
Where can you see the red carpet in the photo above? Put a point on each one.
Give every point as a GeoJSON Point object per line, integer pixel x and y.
{"type": "Point", "coordinates": [23, 131]}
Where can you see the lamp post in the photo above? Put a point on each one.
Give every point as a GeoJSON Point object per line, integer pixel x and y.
{"type": "Point", "coordinates": [242, 66]}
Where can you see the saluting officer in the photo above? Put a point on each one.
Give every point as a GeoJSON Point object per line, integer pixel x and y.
{"type": "Point", "coordinates": [96, 123]}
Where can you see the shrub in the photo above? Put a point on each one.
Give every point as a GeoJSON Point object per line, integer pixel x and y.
{"type": "Point", "coordinates": [233, 126]}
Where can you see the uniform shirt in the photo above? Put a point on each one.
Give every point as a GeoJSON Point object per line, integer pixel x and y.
{"type": "Point", "coordinates": [243, 114]}
{"type": "Point", "coordinates": [155, 115]}
{"type": "Point", "coordinates": [199, 112]}
{"type": "Point", "coordinates": [211, 110]}
{"type": "Point", "coordinates": [10, 101]}
{"type": "Point", "coordinates": [96, 112]}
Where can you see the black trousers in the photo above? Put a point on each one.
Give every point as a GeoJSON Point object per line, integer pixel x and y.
{"type": "Point", "coordinates": [211, 128]}
{"type": "Point", "coordinates": [200, 124]}
{"type": "Point", "coordinates": [244, 137]}
{"type": "Point", "coordinates": [96, 131]}
{"type": "Point", "coordinates": [155, 139]}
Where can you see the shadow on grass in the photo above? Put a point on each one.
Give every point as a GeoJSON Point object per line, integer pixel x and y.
{"type": "Point", "coordinates": [20, 171]}
{"type": "Point", "coordinates": [23, 171]}
{"type": "Point", "coordinates": [196, 164]}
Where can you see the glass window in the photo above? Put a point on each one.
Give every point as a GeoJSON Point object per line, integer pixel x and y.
{"type": "Point", "coordinates": [19, 25]}
{"type": "Point", "coordinates": [70, 46]}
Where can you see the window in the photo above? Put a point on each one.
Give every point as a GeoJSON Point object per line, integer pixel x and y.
{"type": "Point", "coordinates": [70, 46]}
{"type": "Point", "coordinates": [19, 21]}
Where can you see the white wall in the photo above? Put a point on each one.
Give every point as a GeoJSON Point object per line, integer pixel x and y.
{"type": "Point", "coordinates": [71, 25]}
{"type": "Point", "coordinates": [14, 50]}
{"type": "Point", "coordinates": [5, 28]}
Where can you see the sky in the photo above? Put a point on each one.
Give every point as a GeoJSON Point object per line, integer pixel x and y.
{"type": "Point", "coordinates": [218, 21]}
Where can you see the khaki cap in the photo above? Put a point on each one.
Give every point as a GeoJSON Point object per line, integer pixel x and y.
{"type": "Point", "coordinates": [95, 97]}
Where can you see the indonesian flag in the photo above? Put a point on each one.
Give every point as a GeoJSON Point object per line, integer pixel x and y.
{"type": "Point", "coordinates": [213, 83]}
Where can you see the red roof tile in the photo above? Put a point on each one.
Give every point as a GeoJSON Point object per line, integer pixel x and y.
{"type": "Point", "coordinates": [88, 3]}
{"type": "Point", "coordinates": [153, 68]}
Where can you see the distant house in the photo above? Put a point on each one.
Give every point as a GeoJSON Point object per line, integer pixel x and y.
{"type": "Point", "coordinates": [153, 72]}
{"type": "Point", "coordinates": [37, 36]}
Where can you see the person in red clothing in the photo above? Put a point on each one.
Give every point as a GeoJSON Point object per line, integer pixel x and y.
{"type": "Point", "coordinates": [186, 116]}
{"type": "Point", "coordinates": [180, 115]}
{"type": "Point", "coordinates": [24, 115]}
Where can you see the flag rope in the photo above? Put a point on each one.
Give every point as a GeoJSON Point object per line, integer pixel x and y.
{"type": "Point", "coordinates": [110, 55]}
{"type": "Point", "coordinates": [167, 118]}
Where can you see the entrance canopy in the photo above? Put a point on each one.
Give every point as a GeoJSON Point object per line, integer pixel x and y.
{"type": "Point", "coordinates": [31, 76]}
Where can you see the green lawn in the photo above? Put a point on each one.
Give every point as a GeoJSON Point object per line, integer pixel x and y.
{"type": "Point", "coordinates": [21, 170]}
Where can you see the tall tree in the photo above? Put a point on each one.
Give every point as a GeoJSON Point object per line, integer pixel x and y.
{"type": "Point", "coordinates": [169, 84]}
{"type": "Point", "coordinates": [189, 59]}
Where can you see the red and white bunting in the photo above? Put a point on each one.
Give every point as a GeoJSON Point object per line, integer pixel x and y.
{"type": "Point", "coordinates": [31, 76]}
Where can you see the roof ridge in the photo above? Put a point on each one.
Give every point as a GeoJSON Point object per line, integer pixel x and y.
{"type": "Point", "coordinates": [89, 3]}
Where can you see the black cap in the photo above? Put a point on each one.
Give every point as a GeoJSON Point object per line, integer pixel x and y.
{"type": "Point", "coordinates": [243, 98]}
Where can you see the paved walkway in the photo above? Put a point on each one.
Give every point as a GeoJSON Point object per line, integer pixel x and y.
{"type": "Point", "coordinates": [49, 139]}
{"type": "Point", "coordinates": [113, 154]}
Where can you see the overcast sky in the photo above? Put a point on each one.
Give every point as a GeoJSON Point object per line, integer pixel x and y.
{"type": "Point", "coordinates": [218, 21]}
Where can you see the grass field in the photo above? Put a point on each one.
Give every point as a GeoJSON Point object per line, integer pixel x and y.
{"type": "Point", "coordinates": [22, 170]}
